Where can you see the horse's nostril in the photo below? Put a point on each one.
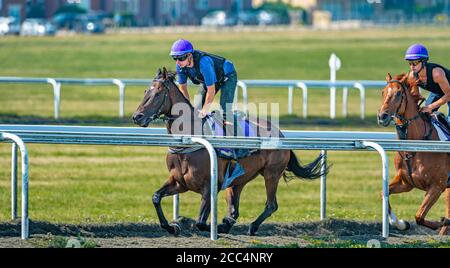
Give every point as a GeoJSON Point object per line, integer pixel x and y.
{"type": "Point", "coordinates": [384, 116]}
{"type": "Point", "coordinates": [138, 116]}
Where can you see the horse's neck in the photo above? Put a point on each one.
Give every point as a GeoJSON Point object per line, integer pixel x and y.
{"type": "Point", "coordinates": [418, 127]}
{"type": "Point", "coordinates": [176, 97]}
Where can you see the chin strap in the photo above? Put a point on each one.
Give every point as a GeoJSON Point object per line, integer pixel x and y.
{"type": "Point", "coordinates": [416, 74]}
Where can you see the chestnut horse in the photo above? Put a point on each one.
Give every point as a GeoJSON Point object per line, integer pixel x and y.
{"type": "Point", "coordinates": [421, 170]}
{"type": "Point", "coordinates": [190, 171]}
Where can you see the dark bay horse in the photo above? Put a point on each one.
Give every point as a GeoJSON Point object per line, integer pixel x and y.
{"type": "Point", "coordinates": [190, 171]}
{"type": "Point", "coordinates": [421, 170]}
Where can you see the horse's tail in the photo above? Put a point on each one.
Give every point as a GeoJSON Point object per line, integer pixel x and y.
{"type": "Point", "coordinates": [311, 171]}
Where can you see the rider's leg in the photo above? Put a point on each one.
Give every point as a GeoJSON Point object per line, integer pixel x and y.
{"type": "Point", "coordinates": [226, 100]}
{"type": "Point", "coordinates": [431, 98]}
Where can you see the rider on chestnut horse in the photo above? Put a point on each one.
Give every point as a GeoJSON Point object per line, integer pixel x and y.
{"type": "Point", "coordinates": [430, 76]}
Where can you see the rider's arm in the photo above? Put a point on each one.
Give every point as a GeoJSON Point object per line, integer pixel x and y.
{"type": "Point", "coordinates": [440, 78]}
{"type": "Point", "coordinates": [183, 89]}
{"type": "Point", "coordinates": [210, 93]}
{"type": "Point", "coordinates": [207, 70]}
{"type": "Point", "coordinates": [182, 81]}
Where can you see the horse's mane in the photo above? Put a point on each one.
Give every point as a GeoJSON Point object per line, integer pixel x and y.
{"type": "Point", "coordinates": [170, 76]}
{"type": "Point", "coordinates": [412, 84]}
{"type": "Point", "coordinates": [400, 77]}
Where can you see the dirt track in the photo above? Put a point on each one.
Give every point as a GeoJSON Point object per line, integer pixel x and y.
{"type": "Point", "coordinates": [317, 234]}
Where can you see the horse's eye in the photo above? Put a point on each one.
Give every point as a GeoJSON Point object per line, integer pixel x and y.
{"type": "Point", "coordinates": [399, 93]}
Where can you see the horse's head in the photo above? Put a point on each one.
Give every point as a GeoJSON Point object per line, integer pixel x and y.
{"type": "Point", "coordinates": [156, 100]}
{"type": "Point", "coordinates": [396, 94]}
{"type": "Point", "coordinates": [393, 99]}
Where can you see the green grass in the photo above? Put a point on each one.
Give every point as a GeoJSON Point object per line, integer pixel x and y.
{"type": "Point", "coordinates": [79, 184]}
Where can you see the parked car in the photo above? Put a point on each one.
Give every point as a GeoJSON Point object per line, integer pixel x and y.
{"type": "Point", "coordinates": [218, 18]}
{"type": "Point", "coordinates": [39, 27]}
{"type": "Point", "coordinates": [67, 21]}
{"type": "Point", "coordinates": [92, 24]}
{"type": "Point", "coordinates": [9, 26]}
{"type": "Point", "coordinates": [82, 23]}
{"type": "Point", "coordinates": [247, 17]}
{"type": "Point", "coordinates": [268, 18]}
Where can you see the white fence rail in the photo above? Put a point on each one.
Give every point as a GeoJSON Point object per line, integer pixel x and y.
{"type": "Point", "coordinates": [293, 140]}
{"type": "Point", "coordinates": [291, 85]}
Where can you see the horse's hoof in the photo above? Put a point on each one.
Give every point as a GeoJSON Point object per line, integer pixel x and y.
{"type": "Point", "coordinates": [223, 228]}
{"type": "Point", "coordinates": [202, 227]}
{"type": "Point", "coordinates": [403, 225]}
{"type": "Point", "coordinates": [175, 229]}
{"type": "Point", "coordinates": [252, 230]}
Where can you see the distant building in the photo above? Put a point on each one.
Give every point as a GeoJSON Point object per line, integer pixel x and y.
{"type": "Point", "coordinates": [375, 10]}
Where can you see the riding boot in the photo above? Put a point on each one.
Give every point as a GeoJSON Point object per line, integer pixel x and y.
{"type": "Point", "coordinates": [228, 128]}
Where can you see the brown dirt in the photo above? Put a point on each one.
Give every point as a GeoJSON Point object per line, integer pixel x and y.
{"type": "Point", "coordinates": [138, 235]}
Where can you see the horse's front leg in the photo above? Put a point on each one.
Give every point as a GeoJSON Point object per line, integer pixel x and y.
{"type": "Point", "coordinates": [205, 210]}
{"type": "Point", "coordinates": [395, 187]}
{"type": "Point", "coordinates": [232, 196]}
{"type": "Point", "coordinates": [171, 187]}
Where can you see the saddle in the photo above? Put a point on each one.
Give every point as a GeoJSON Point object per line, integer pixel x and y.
{"type": "Point", "coordinates": [442, 126]}
{"type": "Point", "coordinates": [239, 127]}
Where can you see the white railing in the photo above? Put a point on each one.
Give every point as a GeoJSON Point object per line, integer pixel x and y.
{"type": "Point", "coordinates": [56, 84]}
{"type": "Point", "coordinates": [293, 140]}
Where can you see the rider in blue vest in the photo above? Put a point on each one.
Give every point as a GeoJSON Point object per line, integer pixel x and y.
{"type": "Point", "coordinates": [432, 77]}
{"type": "Point", "coordinates": [213, 72]}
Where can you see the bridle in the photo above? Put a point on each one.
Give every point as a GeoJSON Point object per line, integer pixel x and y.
{"type": "Point", "coordinates": [402, 129]}
{"type": "Point", "coordinates": [158, 115]}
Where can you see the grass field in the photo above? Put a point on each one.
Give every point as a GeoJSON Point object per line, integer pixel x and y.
{"type": "Point", "coordinates": [82, 184]}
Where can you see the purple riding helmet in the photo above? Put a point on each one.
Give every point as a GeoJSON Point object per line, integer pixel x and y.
{"type": "Point", "coordinates": [417, 52]}
{"type": "Point", "coordinates": [181, 47]}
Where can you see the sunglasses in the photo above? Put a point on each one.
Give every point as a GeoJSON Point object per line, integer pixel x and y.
{"type": "Point", "coordinates": [179, 58]}
{"type": "Point", "coordinates": [414, 63]}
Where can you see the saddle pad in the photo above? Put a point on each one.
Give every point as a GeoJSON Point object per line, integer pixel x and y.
{"type": "Point", "coordinates": [442, 130]}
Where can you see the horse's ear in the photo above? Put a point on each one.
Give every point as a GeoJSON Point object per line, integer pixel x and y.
{"type": "Point", "coordinates": [388, 77]}
{"type": "Point", "coordinates": [159, 72]}
{"type": "Point", "coordinates": [164, 73]}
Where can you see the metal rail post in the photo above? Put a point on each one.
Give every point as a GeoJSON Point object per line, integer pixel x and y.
{"type": "Point", "coordinates": [345, 102]}
{"type": "Point", "coordinates": [290, 99]}
{"type": "Point", "coordinates": [304, 89]}
{"type": "Point", "coordinates": [56, 96]}
{"type": "Point", "coordinates": [385, 185]}
{"type": "Point", "coordinates": [214, 178]}
{"type": "Point", "coordinates": [121, 86]}
{"type": "Point", "coordinates": [362, 94]}
{"type": "Point", "coordinates": [14, 181]}
{"type": "Point", "coordinates": [24, 153]}
{"type": "Point", "coordinates": [323, 187]}
{"type": "Point", "coordinates": [176, 207]}
{"type": "Point", "coordinates": [305, 98]}
{"type": "Point", "coordinates": [243, 86]}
